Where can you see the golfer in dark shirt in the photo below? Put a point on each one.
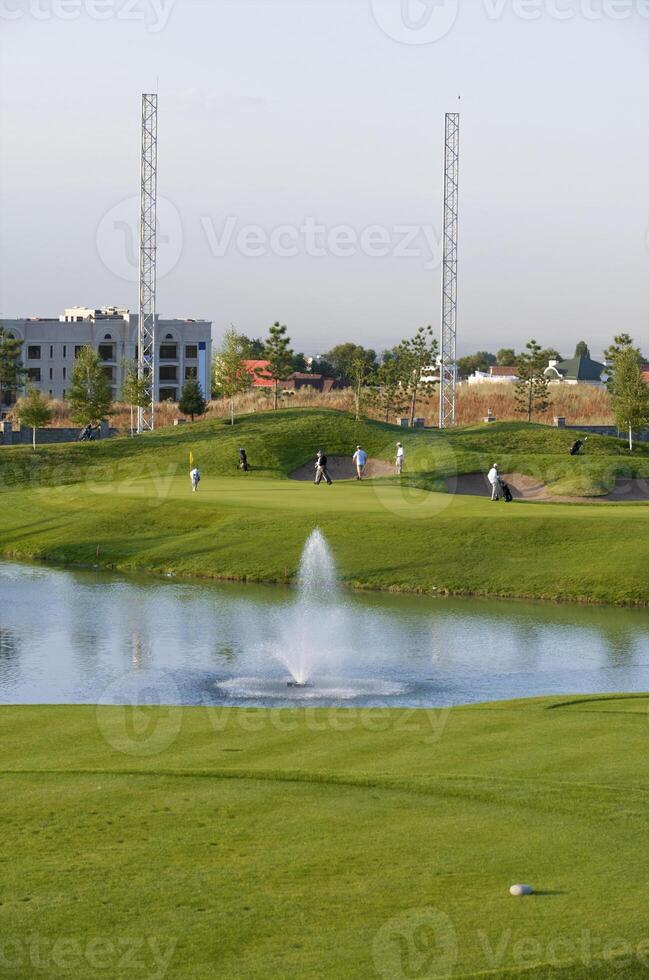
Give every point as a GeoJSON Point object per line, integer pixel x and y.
{"type": "Point", "coordinates": [321, 468]}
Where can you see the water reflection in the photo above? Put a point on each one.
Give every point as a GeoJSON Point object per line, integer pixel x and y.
{"type": "Point", "coordinates": [67, 636]}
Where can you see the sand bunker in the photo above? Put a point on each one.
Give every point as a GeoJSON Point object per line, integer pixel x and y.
{"type": "Point", "coordinates": [343, 468]}
{"type": "Point", "coordinates": [632, 489]}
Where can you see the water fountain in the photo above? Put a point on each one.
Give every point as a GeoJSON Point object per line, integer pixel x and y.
{"type": "Point", "coordinates": [315, 639]}
{"type": "Point", "coordinates": [310, 637]}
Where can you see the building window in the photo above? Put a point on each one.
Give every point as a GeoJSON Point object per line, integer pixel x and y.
{"type": "Point", "coordinates": [191, 372]}
{"type": "Point", "coordinates": [51, 374]}
{"type": "Point", "coordinates": [65, 373]}
{"type": "Point", "coordinates": [109, 372]}
{"type": "Point", "coordinates": [77, 349]}
{"type": "Point", "coordinates": [191, 351]}
{"type": "Point", "coordinates": [50, 392]}
{"type": "Point", "coordinates": [107, 352]}
{"type": "Point", "coordinates": [107, 336]}
{"type": "Point", "coordinates": [51, 351]}
{"type": "Point", "coordinates": [168, 373]}
{"type": "Point", "coordinates": [169, 336]}
{"type": "Point", "coordinates": [64, 392]}
{"type": "Point", "coordinates": [34, 352]}
{"type": "Point", "coordinates": [168, 352]}
{"type": "Point", "coordinates": [167, 394]}
{"type": "Point", "coordinates": [65, 350]}
{"type": "Point", "coordinates": [34, 374]}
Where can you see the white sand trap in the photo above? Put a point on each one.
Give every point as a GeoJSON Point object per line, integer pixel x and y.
{"type": "Point", "coordinates": [631, 489]}
{"type": "Point", "coordinates": [634, 488]}
{"type": "Point", "coordinates": [477, 485]}
{"type": "Point", "coordinates": [343, 468]}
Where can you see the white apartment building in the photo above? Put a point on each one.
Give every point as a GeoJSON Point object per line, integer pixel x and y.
{"type": "Point", "coordinates": [50, 345]}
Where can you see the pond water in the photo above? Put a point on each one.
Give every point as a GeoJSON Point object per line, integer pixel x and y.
{"type": "Point", "coordinates": [85, 637]}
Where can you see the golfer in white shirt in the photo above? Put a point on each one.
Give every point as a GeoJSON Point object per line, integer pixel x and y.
{"type": "Point", "coordinates": [399, 460]}
{"type": "Point", "coordinates": [360, 458]}
{"type": "Point", "coordinates": [494, 479]}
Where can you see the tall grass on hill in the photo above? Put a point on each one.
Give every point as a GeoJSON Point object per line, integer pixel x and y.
{"type": "Point", "coordinates": [579, 404]}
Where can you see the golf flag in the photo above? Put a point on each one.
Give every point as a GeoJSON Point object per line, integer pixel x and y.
{"type": "Point", "coordinates": [191, 460]}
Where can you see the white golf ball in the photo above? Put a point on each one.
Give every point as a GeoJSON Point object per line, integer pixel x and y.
{"type": "Point", "coordinates": [520, 890]}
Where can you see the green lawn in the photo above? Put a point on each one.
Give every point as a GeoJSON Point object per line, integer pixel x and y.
{"type": "Point", "coordinates": [326, 843]}
{"type": "Point", "coordinates": [126, 503]}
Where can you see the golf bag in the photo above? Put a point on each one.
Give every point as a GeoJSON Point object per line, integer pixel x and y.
{"type": "Point", "coordinates": [507, 494]}
{"type": "Point", "coordinates": [576, 446]}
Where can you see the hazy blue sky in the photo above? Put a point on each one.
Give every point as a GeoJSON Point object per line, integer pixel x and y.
{"type": "Point", "coordinates": [290, 115]}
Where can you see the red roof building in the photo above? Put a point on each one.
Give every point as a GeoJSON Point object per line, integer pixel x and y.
{"type": "Point", "coordinates": [258, 371]}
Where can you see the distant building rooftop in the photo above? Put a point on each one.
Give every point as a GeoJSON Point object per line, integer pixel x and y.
{"type": "Point", "coordinates": [583, 369]}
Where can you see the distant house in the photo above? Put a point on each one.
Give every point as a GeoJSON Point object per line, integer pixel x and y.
{"type": "Point", "coordinates": [303, 379]}
{"type": "Point", "coordinates": [578, 370]}
{"type": "Point", "coordinates": [258, 371]}
{"type": "Point", "coordinates": [497, 374]}
{"type": "Point", "coordinates": [645, 372]}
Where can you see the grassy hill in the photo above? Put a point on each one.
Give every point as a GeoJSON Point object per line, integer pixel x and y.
{"type": "Point", "coordinates": [126, 503]}
{"type": "Point", "coordinates": [279, 442]}
{"type": "Point", "coordinates": [327, 843]}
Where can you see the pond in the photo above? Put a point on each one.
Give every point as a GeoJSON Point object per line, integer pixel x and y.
{"type": "Point", "coordinates": [88, 636]}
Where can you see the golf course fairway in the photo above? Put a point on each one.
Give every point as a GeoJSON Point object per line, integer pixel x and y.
{"type": "Point", "coordinates": [127, 504]}
{"type": "Point", "coordinates": [206, 842]}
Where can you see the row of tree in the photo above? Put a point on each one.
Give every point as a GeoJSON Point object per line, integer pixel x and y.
{"type": "Point", "coordinates": [394, 383]}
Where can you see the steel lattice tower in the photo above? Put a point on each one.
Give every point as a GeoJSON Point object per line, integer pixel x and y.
{"type": "Point", "coordinates": [146, 359]}
{"type": "Point", "coordinates": [447, 366]}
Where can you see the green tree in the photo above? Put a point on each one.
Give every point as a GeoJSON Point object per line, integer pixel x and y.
{"type": "Point", "coordinates": [34, 410]}
{"type": "Point", "coordinates": [630, 393]}
{"type": "Point", "coordinates": [418, 356]}
{"type": "Point", "coordinates": [481, 361]}
{"type": "Point", "coordinates": [89, 393]}
{"type": "Point", "coordinates": [621, 342]}
{"type": "Point", "coordinates": [345, 358]}
{"type": "Point", "coordinates": [229, 373]}
{"type": "Point", "coordinates": [550, 354]}
{"type": "Point", "coordinates": [12, 373]}
{"type": "Point", "coordinates": [299, 362]}
{"type": "Point", "coordinates": [321, 365]}
{"type": "Point", "coordinates": [390, 394]}
{"type": "Point", "coordinates": [532, 386]}
{"type": "Point", "coordinates": [135, 390]}
{"type": "Point", "coordinates": [361, 371]}
{"type": "Point", "coordinates": [506, 357]}
{"type": "Point", "coordinates": [582, 349]}
{"type": "Point", "coordinates": [191, 400]}
{"type": "Point", "coordinates": [279, 356]}
{"type": "Point", "coordinates": [252, 349]}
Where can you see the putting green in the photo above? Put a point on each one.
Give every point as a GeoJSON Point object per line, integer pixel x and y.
{"type": "Point", "coordinates": [327, 843]}
{"type": "Point", "coordinates": [127, 504]}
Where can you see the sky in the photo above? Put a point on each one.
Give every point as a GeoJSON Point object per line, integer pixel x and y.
{"type": "Point", "coordinates": [300, 164]}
